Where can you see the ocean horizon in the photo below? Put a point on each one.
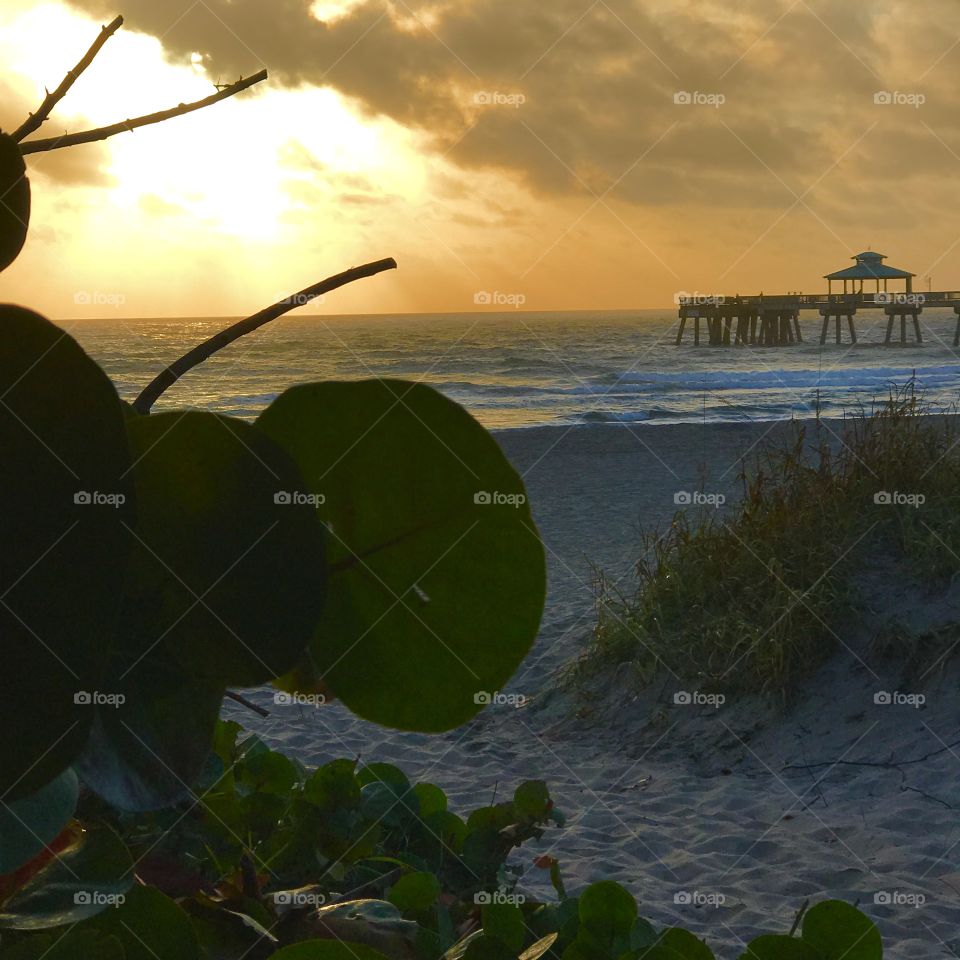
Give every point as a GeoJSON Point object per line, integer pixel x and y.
{"type": "Point", "coordinates": [518, 369]}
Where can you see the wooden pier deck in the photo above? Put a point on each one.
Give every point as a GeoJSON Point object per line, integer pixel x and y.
{"type": "Point", "coordinates": [774, 319]}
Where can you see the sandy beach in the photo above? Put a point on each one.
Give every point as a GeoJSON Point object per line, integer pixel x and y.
{"type": "Point", "coordinates": [722, 820]}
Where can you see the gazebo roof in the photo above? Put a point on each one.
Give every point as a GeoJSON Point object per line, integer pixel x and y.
{"type": "Point", "coordinates": [869, 266]}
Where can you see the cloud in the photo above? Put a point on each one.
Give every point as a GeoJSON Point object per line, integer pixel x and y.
{"type": "Point", "coordinates": [568, 97]}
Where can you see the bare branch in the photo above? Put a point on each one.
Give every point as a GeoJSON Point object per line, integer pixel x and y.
{"type": "Point", "coordinates": [34, 121]}
{"type": "Point", "coordinates": [249, 704]}
{"type": "Point", "coordinates": [101, 133]}
{"type": "Point", "coordinates": [198, 354]}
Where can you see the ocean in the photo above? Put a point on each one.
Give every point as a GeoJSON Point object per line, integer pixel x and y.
{"type": "Point", "coordinates": [520, 369]}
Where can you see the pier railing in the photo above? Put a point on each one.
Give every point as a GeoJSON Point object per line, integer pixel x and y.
{"type": "Point", "coordinates": [814, 301]}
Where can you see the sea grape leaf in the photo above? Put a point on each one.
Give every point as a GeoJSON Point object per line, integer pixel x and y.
{"type": "Point", "coordinates": [676, 944]}
{"type": "Point", "coordinates": [14, 201]}
{"type": "Point", "coordinates": [226, 575]}
{"type": "Point", "coordinates": [68, 504]}
{"type": "Point", "coordinates": [149, 751]}
{"type": "Point", "coordinates": [150, 926]}
{"type": "Point", "coordinates": [29, 824]}
{"type": "Point", "coordinates": [780, 947]}
{"type": "Point", "coordinates": [607, 909]}
{"type": "Point", "coordinates": [838, 930]}
{"type": "Point", "coordinates": [504, 922]}
{"type": "Point", "coordinates": [437, 570]}
{"type": "Point", "coordinates": [488, 948]}
{"type": "Point", "coordinates": [91, 874]}
{"type": "Point", "coordinates": [532, 799]}
{"type": "Point", "coordinates": [415, 892]}
{"type": "Point", "coordinates": [327, 950]}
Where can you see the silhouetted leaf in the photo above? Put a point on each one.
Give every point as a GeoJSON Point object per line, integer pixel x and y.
{"type": "Point", "coordinates": [437, 570]}
{"type": "Point", "coordinates": [67, 497]}
{"type": "Point", "coordinates": [14, 201]}
{"type": "Point", "coordinates": [226, 574]}
{"type": "Point", "coordinates": [150, 926]}
{"type": "Point", "coordinates": [327, 950]}
{"type": "Point", "coordinates": [29, 824]}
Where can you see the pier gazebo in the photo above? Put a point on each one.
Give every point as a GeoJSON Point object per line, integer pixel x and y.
{"type": "Point", "coordinates": [869, 266]}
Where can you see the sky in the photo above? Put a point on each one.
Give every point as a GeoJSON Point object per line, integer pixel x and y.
{"type": "Point", "coordinates": [576, 154]}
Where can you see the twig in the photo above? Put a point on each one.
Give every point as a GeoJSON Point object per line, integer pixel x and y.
{"type": "Point", "coordinates": [247, 703]}
{"type": "Point", "coordinates": [886, 764]}
{"type": "Point", "coordinates": [798, 917]}
{"type": "Point", "coordinates": [35, 120]}
{"type": "Point", "coordinates": [198, 354]}
{"type": "Point", "coordinates": [101, 133]}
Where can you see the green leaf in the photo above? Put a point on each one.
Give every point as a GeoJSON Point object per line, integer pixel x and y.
{"type": "Point", "coordinates": [488, 948]}
{"type": "Point", "coordinates": [504, 922]}
{"type": "Point", "coordinates": [436, 594]}
{"type": "Point", "coordinates": [839, 930]}
{"type": "Point", "coordinates": [676, 944]}
{"type": "Point", "coordinates": [532, 799]}
{"type": "Point", "coordinates": [432, 799]}
{"type": "Point", "coordinates": [383, 773]}
{"type": "Point", "coordinates": [327, 950]}
{"type": "Point", "coordinates": [229, 575]}
{"type": "Point", "coordinates": [29, 824]}
{"type": "Point", "coordinates": [150, 926]}
{"type": "Point", "coordinates": [333, 785]}
{"type": "Point", "coordinates": [90, 875]}
{"type": "Point", "coordinates": [65, 537]}
{"type": "Point", "coordinates": [780, 947]}
{"type": "Point", "coordinates": [15, 205]}
{"type": "Point", "coordinates": [415, 892]}
{"type": "Point", "coordinates": [607, 909]}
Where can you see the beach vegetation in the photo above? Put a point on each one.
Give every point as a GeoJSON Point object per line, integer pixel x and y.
{"type": "Point", "coordinates": [752, 599]}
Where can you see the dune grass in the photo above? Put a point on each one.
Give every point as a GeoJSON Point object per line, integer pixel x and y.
{"type": "Point", "coordinates": [750, 600]}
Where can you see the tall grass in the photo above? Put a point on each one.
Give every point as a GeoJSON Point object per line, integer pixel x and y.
{"type": "Point", "coordinates": [750, 600]}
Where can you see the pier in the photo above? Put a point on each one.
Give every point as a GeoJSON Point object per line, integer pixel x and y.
{"type": "Point", "coordinates": [774, 319]}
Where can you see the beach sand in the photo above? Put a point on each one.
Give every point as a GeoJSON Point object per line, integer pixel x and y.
{"type": "Point", "coordinates": [690, 807]}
